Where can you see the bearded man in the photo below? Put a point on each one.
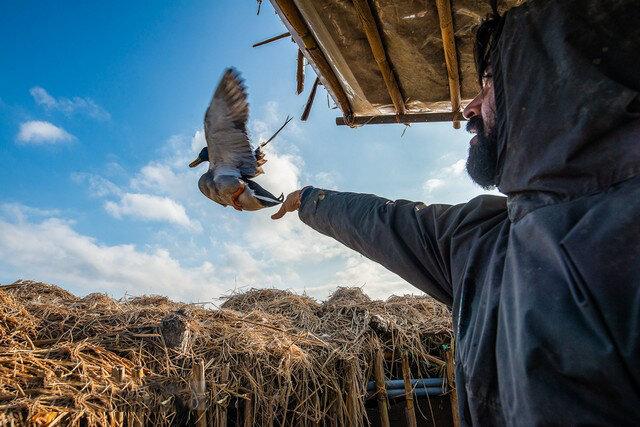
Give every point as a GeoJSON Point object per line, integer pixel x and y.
{"type": "Point", "coordinates": [544, 283]}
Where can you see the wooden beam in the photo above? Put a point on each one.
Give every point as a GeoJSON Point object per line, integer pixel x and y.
{"type": "Point", "coordinates": [289, 11]}
{"type": "Point", "coordinates": [450, 57]}
{"type": "Point", "coordinates": [401, 119]}
{"type": "Point", "coordinates": [309, 104]}
{"type": "Point", "coordinates": [379, 54]}
{"type": "Point", "coordinates": [408, 391]}
{"type": "Point", "coordinates": [299, 73]}
{"type": "Point", "coordinates": [272, 39]}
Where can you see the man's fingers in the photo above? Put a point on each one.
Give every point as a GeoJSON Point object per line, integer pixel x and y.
{"type": "Point", "coordinates": [291, 203]}
{"type": "Point", "coordinates": [280, 213]}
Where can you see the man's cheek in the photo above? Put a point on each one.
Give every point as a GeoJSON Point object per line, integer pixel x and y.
{"type": "Point", "coordinates": [489, 118]}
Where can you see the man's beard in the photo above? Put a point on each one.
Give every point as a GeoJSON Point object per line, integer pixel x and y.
{"type": "Point", "coordinates": [482, 163]}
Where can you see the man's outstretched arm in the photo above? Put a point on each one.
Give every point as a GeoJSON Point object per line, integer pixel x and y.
{"type": "Point", "coordinates": [416, 241]}
{"type": "Point", "coordinates": [408, 238]}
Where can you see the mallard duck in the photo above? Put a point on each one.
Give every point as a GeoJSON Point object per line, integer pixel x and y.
{"type": "Point", "coordinates": [232, 160]}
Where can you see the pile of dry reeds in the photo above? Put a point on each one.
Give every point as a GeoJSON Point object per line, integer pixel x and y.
{"type": "Point", "coordinates": [266, 355]}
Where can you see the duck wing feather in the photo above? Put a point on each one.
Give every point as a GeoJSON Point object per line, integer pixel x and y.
{"type": "Point", "coordinates": [225, 128]}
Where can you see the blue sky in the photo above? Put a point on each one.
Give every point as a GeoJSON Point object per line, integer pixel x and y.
{"type": "Point", "coordinates": [101, 107]}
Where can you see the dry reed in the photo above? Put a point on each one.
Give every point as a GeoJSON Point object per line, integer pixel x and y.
{"type": "Point", "coordinates": [286, 357]}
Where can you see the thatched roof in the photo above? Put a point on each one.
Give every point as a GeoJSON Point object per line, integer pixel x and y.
{"type": "Point", "coordinates": [390, 60]}
{"type": "Point", "coordinates": [271, 353]}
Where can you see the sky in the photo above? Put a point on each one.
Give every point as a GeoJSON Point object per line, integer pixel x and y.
{"type": "Point", "coordinates": [101, 109]}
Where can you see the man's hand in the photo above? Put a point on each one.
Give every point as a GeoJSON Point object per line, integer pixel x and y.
{"type": "Point", "coordinates": [290, 204]}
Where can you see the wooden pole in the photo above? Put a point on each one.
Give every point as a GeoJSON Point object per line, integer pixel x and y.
{"type": "Point", "coordinates": [309, 104]}
{"type": "Point", "coordinates": [451, 354]}
{"type": "Point", "coordinates": [199, 390]}
{"type": "Point", "coordinates": [272, 39]}
{"type": "Point", "coordinates": [221, 412]}
{"type": "Point", "coordinates": [381, 389]}
{"type": "Point", "coordinates": [450, 57]}
{"type": "Point", "coordinates": [300, 73]}
{"type": "Point", "coordinates": [379, 54]}
{"type": "Point", "coordinates": [405, 118]}
{"type": "Point", "coordinates": [353, 394]}
{"type": "Point", "coordinates": [294, 18]}
{"type": "Point", "coordinates": [408, 391]}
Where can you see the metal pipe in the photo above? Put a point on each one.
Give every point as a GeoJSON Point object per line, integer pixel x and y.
{"type": "Point", "coordinates": [419, 392]}
{"type": "Point", "coordinates": [415, 383]}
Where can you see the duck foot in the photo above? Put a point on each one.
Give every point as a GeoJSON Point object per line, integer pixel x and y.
{"type": "Point", "coordinates": [234, 200]}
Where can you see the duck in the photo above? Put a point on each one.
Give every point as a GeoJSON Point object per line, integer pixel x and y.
{"type": "Point", "coordinates": [233, 162]}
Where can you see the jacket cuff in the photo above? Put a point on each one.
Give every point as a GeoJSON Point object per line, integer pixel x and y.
{"type": "Point", "coordinates": [309, 198]}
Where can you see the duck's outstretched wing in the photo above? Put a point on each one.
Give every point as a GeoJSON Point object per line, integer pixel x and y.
{"type": "Point", "coordinates": [225, 127]}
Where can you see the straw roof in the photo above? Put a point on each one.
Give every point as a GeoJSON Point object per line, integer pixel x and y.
{"type": "Point", "coordinates": [390, 61]}
{"type": "Point", "coordinates": [276, 354]}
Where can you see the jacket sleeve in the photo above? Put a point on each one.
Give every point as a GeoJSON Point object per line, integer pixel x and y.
{"type": "Point", "coordinates": [410, 239]}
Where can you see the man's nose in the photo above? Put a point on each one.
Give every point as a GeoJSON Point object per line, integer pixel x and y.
{"type": "Point", "coordinates": [473, 108]}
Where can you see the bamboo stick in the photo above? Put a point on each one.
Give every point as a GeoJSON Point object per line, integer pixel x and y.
{"type": "Point", "coordinates": [381, 390]}
{"type": "Point", "coordinates": [453, 395]}
{"type": "Point", "coordinates": [248, 411]}
{"type": "Point", "coordinates": [450, 56]}
{"type": "Point", "coordinates": [408, 390]}
{"type": "Point", "coordinates": [379, 54]}
{"type": "Point", "coordinates": [352, 395]}
{"type": "Point", "coordinates": [309, 104]}
{"type": "Point", "coordinates": [272, 39]}
{"type": "Point", "coordinates": [221, 412]}
{"type": "Point", "coordinates": [300, 73]}
{"type": "Point", "coordinates": [289, 11]}
{"type": "Point", "coordinates": [199, 389]}
{"type": "Point", "coordinates": [118, 376]}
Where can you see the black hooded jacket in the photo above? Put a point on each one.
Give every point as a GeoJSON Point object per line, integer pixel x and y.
{"type": "Point", "coordinates": [544, 285]}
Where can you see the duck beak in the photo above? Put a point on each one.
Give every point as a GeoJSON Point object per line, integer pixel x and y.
{"type": "Point", "coordinates": [196, 162]}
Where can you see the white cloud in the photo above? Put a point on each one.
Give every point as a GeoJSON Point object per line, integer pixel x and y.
{"type": "Point", "coordinates": [52, 251]}
{"type": "Point", "coordinates": [248, 249]}
{"type": "Point", "coordinates": [97, 185]}
{"type": "Point", "coordinates": [327, 180]}
{"type": "Point", "coordinates": [152, 208]}
{"type": "Point", "coordinates": [433, 184]}
{"type": "Point", "coordinates": [456, 169]}
{"type": "Point", "coordinates": [69, 106]}
{"type": "Point", "coordinates": [41, 132]}
{"type": "Point", "coordinates": [288, 240]}
{"type": "Point", "coordinates": [281, 172]}
{"type": "Point", "coordinates": [19, 213]}
{"type": "Point", "coordinates": [356, 270]}
{"type": "Point", "coordinates": [451, 184]}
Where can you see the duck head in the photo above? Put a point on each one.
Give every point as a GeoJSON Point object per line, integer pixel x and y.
{"type": "Point", "coordinates": [202, 157]}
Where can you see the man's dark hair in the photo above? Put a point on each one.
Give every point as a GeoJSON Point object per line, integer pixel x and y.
{"type": "Point", "coordinates": [487, 36]}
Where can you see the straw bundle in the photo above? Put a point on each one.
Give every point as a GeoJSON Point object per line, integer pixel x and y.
{"type": "Point", "coordinates": [269, 355]}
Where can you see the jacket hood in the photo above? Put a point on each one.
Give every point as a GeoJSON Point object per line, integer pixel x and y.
{"type": "Point", "coordinates": [566, 78]}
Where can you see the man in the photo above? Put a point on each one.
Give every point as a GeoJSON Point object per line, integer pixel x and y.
{"type": "Point", "coordinates": [544, 284]}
